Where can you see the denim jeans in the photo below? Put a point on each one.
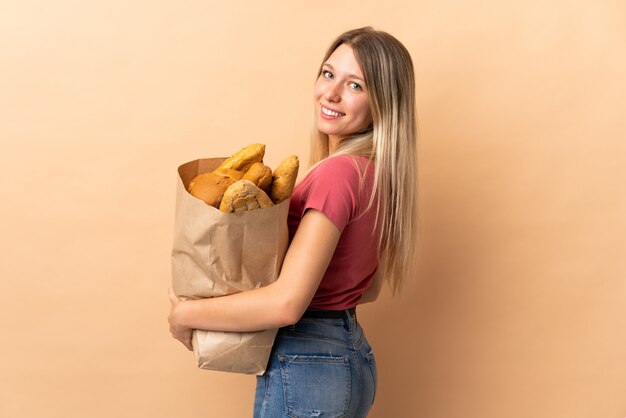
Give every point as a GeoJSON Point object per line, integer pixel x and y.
{"type": "Point", "coordinates": [319, 367]}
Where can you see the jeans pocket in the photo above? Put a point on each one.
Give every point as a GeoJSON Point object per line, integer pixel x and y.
{"type": "Point", "coordinates": [372, 362]}
{"type": "Point", "coordinates": [316, 386]}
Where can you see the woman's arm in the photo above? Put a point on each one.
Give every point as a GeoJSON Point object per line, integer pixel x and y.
{"type": "Point", "coordinates": [278, 304]}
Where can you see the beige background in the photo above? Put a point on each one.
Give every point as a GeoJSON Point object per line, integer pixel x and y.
{"type": "Point", "coordinates": [519, 306]}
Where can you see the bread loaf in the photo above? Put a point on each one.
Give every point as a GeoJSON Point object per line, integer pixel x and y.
{"type": "Point", "coordinates": [244, 195]}
{"type": "Point", "coordinates": [229, 172]}
{"type": "Point", "coordinates": [261, 175]}
{"type": "Point", "coordinates": [210, 187]}
{"type": "Point", "coordinates": [284, 179]}
{"type": "Point", "coordinates": [244, 158]}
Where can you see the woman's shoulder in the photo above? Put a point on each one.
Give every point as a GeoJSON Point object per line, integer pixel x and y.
{"type": "Point", "coordinates": [339, 172]}
{"type": "Point", "coordinates": [346, 164]}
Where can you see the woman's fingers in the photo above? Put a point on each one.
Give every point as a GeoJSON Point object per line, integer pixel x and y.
{"type": "Point", "coordinates": [172, 296]}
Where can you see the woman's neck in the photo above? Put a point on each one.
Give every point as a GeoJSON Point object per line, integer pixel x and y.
{"type": "Point", "coordinates": [333, 144]}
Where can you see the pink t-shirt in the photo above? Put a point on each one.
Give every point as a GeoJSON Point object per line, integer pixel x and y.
{"type": "Point", "coordinates": [334, 188]}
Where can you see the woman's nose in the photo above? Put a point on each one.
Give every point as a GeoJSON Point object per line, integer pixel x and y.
{"type": "Point", "coordinates": [333, 94]}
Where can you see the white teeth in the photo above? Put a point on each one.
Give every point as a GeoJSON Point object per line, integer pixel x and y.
{"type": "Point", "coordinates": [330, 112]}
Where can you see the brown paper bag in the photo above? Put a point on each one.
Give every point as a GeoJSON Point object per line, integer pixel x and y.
{"type": "Point", "coordinates": [215, 254]}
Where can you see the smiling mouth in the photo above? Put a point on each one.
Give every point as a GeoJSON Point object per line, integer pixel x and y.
{"type": "Point", "coordinates": [331, 113]}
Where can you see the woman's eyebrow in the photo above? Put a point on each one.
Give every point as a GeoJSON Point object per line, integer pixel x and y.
{"type": "Point", "coordinates": [349, 74]}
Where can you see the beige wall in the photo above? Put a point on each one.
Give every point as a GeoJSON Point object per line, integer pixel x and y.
{"type": "Point", "coordinates": [519, 308]}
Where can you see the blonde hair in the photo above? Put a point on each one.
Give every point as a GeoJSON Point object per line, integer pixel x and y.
{"type": "Point", "coordinates": [389, 142]}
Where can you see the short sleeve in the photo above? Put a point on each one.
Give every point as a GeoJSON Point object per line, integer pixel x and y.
{"type": "Point", "coordinates": [332, 188]}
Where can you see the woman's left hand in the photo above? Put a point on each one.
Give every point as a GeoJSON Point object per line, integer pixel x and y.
{"type": "Point", "coordinates": [178, 331]}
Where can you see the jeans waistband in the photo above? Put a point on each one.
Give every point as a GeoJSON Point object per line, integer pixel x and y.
{"type": "Point", "coordinates": [333, 314]}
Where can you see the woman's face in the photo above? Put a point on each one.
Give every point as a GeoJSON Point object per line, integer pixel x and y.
{"type": "Point", "coordinates": [340, 95]}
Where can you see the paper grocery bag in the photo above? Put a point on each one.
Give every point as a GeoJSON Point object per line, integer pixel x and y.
{"type": "Point", "coordinates": [216, 254]}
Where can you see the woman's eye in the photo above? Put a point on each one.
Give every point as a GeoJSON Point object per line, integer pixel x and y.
{"type": "Point", "coordinates": [355, 86]}
{"type": "Point", "coordinates": [327, 74]}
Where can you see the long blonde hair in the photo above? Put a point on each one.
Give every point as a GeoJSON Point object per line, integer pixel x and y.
{"type": "Point", "coordinates": [390, 142]}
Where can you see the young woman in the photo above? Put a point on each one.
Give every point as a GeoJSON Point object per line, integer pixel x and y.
{"type": "Point", "coordinates": [352, 222]}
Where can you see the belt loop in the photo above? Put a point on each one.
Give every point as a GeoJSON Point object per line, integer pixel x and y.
{"type": "Point", "coordinates": [351, 319]}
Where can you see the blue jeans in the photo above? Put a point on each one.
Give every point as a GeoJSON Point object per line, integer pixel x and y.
{"type": "Point", "coordinates": [319, 367]}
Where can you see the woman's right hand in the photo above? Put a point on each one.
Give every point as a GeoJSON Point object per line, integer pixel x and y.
{"type": "Point", "coordinates": [177, 329]}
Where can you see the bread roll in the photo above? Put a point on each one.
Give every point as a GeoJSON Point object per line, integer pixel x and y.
{"type": "Point", "coordinates": [261, 175]}
{"type": "Point", "coordinates": [284, 179]}
{"type": "Point", "coordinates": [244, 195]}
{"type": "Point", "coordinates": [244, 158]}
{"type": "Point", "coordinates": [210, 187]}
{"type": "Point", "coordinates": [229, 172]}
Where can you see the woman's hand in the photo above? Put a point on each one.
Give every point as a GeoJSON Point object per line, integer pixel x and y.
{"type": "Point", "coordinates": [178, 331]}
